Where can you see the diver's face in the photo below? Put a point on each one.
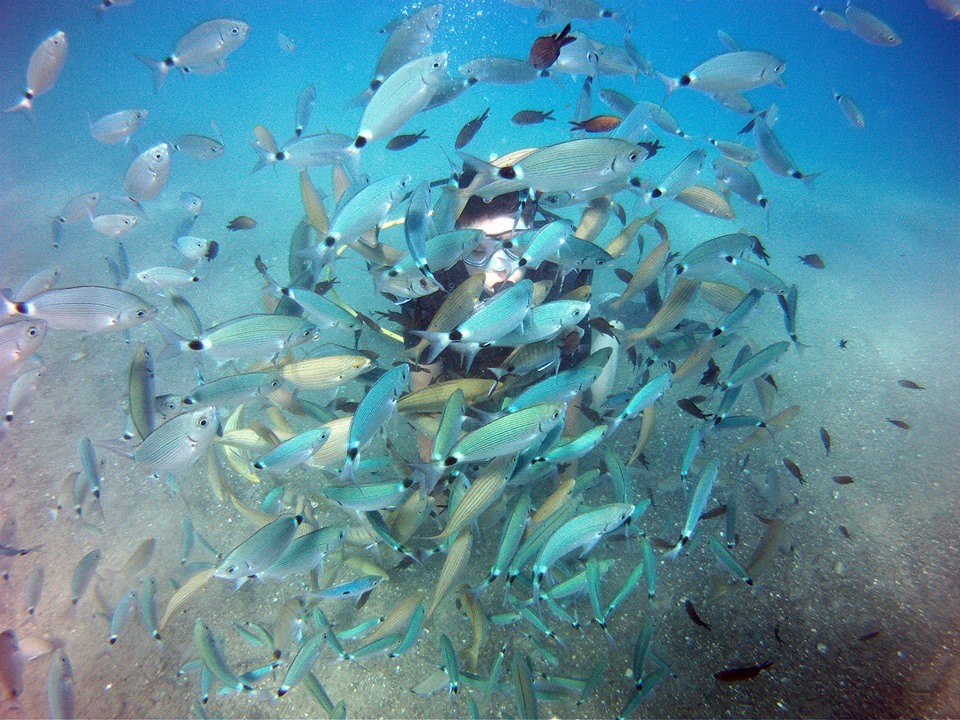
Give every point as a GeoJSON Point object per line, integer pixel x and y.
{"type": "Point", "coordinates": [496, 263]}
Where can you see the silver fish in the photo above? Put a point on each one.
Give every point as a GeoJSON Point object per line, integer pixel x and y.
{"type": "Point", "coordinates": [34, 588]}
{"type": "Point", "coordinates": [103, 5]}
{"type": "Point", "coordinates": [126, 606]}
{"type": "Point", "coordinates": [114, 224]}
{"type": "Point", "coordinates": [869, 27]}
{"type": "Point", "coordinates": [850, 110]}
{"type": "Point", "coordinates": [197, 248]}
{"type": "Point", "coordinates": [86, 307]}
{"type": "Point", "coordinates": [11, 666]}
{"type": "Point", "coordinates": [44, 69]}
{"type": "Point", "coordinates": [682, 176]}
{"type": "Point", "coordinates": [18, 342]}
{"type": "Point", "coordinates": [305, 103]}
{"type": "Point", "coordinates": [166, 277]}
{"type": "Point", "coordinates": [208, 44]}
{"type": "Point", "coordinates": [21, 392]}
{"type": "Point", "coordinates": [117, 127]}
{"type": "Point", "coordinates": [192, 203]}
{"type": "Point", "coordinates": [287, 44]}
{"type": "Point", "coordinates": [373, 413]}
{"type": "Point", "coordinates": [245, 337]}
{"type": "Point", "coordinates": [364, 211]}
{"type": "Point", "coordinates": [179, 442]}
{"type": "Point", "coordinates": [496, 317]}
{"type": "Point", "coordinates": [730, 72]}
{"type": "Point", "coordinates": [773, 154]}
{"type": "Point", "coordinates": [401, 96]}
{"type": "Point", "coordinates": [79, 208]}
{"type": "Point", "coordinates": [200, 147]}
{"type": "Point", "coordinates": [61, 693]}
{"type": "Point", "coordinates": [500, 71]}
{"type": "Point", "coordinates": [148, 173]}
{"type": "Point", "coordinates": [83, 574]}
{"type": "Point", "coordinates": [409, 40]}
{"type": "Point", "coordinates": [831, 19]}
{"type": "Point", "coordinates": [571, 165]}
{"type": "Point", "coordinates": [293, 452]}
{"type": "Point", "coordinates": [734, 176]}
{"type": "Point", "coordinates": [738, 152]}
{"type": "Point", "coordinates": [259, 551]}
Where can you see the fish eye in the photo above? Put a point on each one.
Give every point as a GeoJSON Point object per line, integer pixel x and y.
{"type": "Point", "coordinates": [32, 332]}
{"type": "Point", "coordinates": [634, 156]}
{"type": "Point", "coordinates": [423, 282]}
{"type": "Point", "coordinates": [234, 30]}
{"type": "Point", "coordinates": [436, 65]}
{"type": "Point", "coordinates": [141, 313]}
{"type": "Point", "coordinates": [203, 422]}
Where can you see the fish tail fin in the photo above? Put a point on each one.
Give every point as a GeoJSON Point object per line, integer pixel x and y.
{"type": "Point", "coordinates": [8, 306]}
{"type": "Point", "coordinates": [807, 179]}
{"type": "Point", "coordinates": [351, 160]}
{"type": "Point", "coordinates": [159, 68]}
{"type": "Point", "coordinates": [173, 342]}
{"type": "Point", "coordinates": [361, 99]}
{"type": "Point", "coordinates": [426, 476]}
{"type": "Point", "coordinates": [264, 158]}
{"type": "Point", "coordinates": [486, 172]}
{"type": "Point", "coordinates": [24, 106]}
{"type": "Point", "coordinates": [438, 343]}
{"type": "Point", "coordinates": [673, 552]}
{"type": "Point", "coordinates": [670, 85]}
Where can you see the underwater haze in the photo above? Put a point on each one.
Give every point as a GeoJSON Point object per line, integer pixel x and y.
{"type": "Point", "coordinates": [752, 498]}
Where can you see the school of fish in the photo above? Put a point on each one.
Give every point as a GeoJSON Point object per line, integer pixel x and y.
{"type": "Point", "coordinates": [471, 497]}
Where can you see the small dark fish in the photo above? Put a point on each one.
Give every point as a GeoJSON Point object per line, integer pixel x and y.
{"type": "Point", "coordinates": [241, 222]}
{"type": "Point", "coordinates": [662, 544]}
{"type": "Point", "coordinates": [825, 439]}
{"type": "Point", "coordinates": [597, 124]}
{"type": "Point", "coordinates": [910, 385]}
{"type": "Point", "coordinates": [323, 287]}
{"type": "Point", "coordinates": [899, 423]}
{"type": "Point", "coordinates": [869, 636]}
{"type": "Point", "coordinates": [623, 275]}
{"type": "Point", "coordinates": [843, 480]}
{"type": "Point", "coordinates": [794, 469]}
{"type": "Point", "coordinates": [401, 142]}
{"type": "Point", "coordinates": [813, 260]}
{"type": "Point", "coordinates": [776, 634]}
{"type": "Point", "coordinates": [7, 551]}
{"type": "Point", "coordinates": [689, 406]}
{"type": "Point", "coordinates": [845, 532]}
{"type": "Point", "coordinates": [692, 612]}
{"type": "Point", "coordinates": [602, 326]}
{"type": "Point", "coordinates": [711, 374]}
{"type": "Point", "coordinates": [842, 344]}
{"type": "Point", "coordinates": [591, 415]}
{"type": "Point", "coordinates": [742, 673]}
{"type": "Point", "coordinates": [716, 512]}
{"type": "Point", "coordinates": [470, 129]}
{"type": "Point", "coordinates": [531, 117]}
{"type": "Point", "coordinates": [546, 48]}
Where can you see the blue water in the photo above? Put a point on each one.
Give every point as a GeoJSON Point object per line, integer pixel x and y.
{"type": "Point", "coordinates": [885, 217]}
